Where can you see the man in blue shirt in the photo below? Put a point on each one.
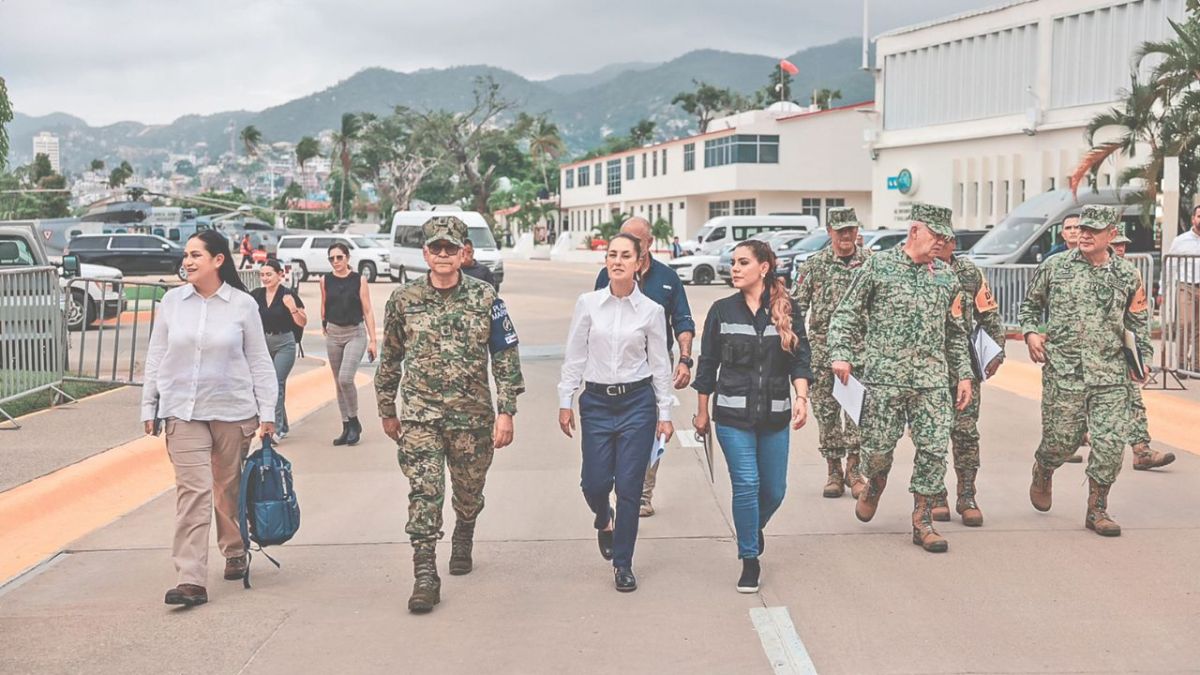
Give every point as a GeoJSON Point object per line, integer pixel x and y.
{"type": "Point", "coordinates": [676, 248]}
{"type": "Point", "coordinates": [661, 284]}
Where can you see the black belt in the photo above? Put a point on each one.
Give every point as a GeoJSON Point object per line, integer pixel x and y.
{"type": "Point", "coordinates": [282, 332]}
{"type": "Point", "coordinates": [616, 389]}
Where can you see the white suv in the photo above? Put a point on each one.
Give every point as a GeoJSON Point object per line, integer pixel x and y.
{"type": "Point", "coordinates": [309, 254]}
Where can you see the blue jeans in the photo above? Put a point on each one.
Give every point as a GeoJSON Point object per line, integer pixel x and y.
{"type": "Point", "coordinates": [757, 462]}
{"type": "Point", "coordinates": [282, 349]}
{"type": "Point", "coordinates": [618, 432]}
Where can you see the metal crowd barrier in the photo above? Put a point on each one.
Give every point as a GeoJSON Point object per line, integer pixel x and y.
{"type": "Point", "coordinates": [32, 335]}
{"type": "Point", "coordinates": [1180, 283]}
{"type": "Point", "coordinates": [112, 341]}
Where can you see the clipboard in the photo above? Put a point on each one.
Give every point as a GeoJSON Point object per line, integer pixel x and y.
{"type": "Point", "coordinates": [706, 441]}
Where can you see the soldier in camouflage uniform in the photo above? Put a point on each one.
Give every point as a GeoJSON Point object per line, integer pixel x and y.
{"type": "Point", "coordinates": [1144, 457]}
{"type": "Point", "coordinates": [1091, 298]}
{"type": "Point", "coordinates": [906, 308]}
{"type": "Point", "coordinates": [820, 284]}
{"type": "Point", "coordinates": [984, 313]}
{"type": "Point", "coordinates": [438, 333]}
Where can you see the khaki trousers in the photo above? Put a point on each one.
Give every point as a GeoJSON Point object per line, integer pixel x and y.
{"type": "Point", "coordinates": [207, 457]}
{"type": "Point", "coordinates": [1189, 326]}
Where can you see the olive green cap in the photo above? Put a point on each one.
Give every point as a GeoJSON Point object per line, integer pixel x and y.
{"type": "Point", "coordinates": [444, 228]}
{"type": "Point", "coordinates": [843, 217]}
{"type": "Point", "coordinates": [1095, 217]}
{"type": "Point", "coordinates": [1121, 238]}
{"type": "Point", "coordinates": [936, 218]}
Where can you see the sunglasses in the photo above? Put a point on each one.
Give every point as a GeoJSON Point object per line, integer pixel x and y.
{"type": "Point", "coordinates": [335, 258]}
{"type": "Point", "coordinates": [440, 247]}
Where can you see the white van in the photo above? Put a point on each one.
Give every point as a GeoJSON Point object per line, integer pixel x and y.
{"type": "Point", "coordinates": [723, 230]}
{"type": "Point", "coordinates": [408, 242]}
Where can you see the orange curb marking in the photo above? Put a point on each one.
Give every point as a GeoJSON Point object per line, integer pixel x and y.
{"type": "Point", "coordinates": [39, 518]}
{"type": "Point", "coordinates": [1172, 419]}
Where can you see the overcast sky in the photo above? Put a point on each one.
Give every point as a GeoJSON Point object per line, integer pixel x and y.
{"type": "Point", "coordinates": [154, 60]}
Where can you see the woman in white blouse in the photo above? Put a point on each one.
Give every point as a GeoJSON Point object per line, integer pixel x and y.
{"type": "Point", "coordinates": [617, 351]}
{"type": "Point", "coordinates": [209, 377]}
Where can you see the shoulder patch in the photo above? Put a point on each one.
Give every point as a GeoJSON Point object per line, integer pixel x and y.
{"type": "Point", "coordinates": [956, 309]}
{"type": "Point", "coordinates": [985, 301]}
{"type": "Point", "coordinates": [1138, 303]}
{"type": "Point", "coordinates": [503, 335]}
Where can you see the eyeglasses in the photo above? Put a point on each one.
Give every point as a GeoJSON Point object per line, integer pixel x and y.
{"type": "Point", "coordinates": [335, 258]}
{"type": "Point", "coordinates": [440, 247]}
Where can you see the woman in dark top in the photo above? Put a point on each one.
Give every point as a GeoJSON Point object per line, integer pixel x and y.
{"type": "Point", "coordinates": [282, 313]}
{"type": "Point", "coordinates": [348, 324]}
{"type": "Point", "coordinates": [753, 353]}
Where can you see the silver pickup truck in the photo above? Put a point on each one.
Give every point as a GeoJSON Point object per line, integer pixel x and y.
{"type": "Point", "coordinates": [86, 302]}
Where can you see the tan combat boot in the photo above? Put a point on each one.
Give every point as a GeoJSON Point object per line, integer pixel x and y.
{"type": "Point", "coordinates": [427, 588]}
{"type": "Point", "coordinates": [965, 505]}
{"type": "Point", "coordinates": [854, 477]}
{"type": "Point", "coordinates": [868, 500]}
{"type": "Point", "coordinates": [922, 521]}
{"type": "Point", "coordinates": [1144, 457]}
{"type": "Point", "coordinates": [1098, 519]}
{"type": "Point", "coordinates": [835, 485]}
{"type": "Point", "coordinates": [1042, 486]}
{"type": "Point", "coordinates": [939, 507]}
{"type": "Point", "coordinates": [461, 543]}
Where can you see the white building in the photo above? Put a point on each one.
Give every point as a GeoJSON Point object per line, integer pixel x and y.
{"type": "Point", "coordinates": [780, 160]}
{"type": "Point", "coordinates": [981, 110]}
{"type": "Point", "coordinates": [46, 144]}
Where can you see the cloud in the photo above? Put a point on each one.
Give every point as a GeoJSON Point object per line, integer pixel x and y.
{"type": "Point", "coordinates": [153, 61]}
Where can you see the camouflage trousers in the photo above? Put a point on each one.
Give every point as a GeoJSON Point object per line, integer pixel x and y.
{"type": "Point", "coordinates": [928, 414]}
{"type": "Point", "coordinates": [964, 434]}
{"type": "Point", "coordinates": [424, 452]}
{"type": "Point", "coordinates": [836, 442]}
{"type": "Point", "coordinates": [1139, 429]}
{"type": "Point", "coordinates": [1068, 412]}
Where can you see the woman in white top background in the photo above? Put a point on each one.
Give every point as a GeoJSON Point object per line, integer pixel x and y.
{"type": "Point", "coordinates": [210, 377]}
{"type": "Point", "coordinates": [617, 351]}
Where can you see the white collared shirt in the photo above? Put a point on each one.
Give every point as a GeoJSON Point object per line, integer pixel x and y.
{"type": "Point", "coordinates": [617, 341]}
{"type": "Point", "coordinates": [1187, 243]}
{"type": "Point", "coordinates": [208, 359]}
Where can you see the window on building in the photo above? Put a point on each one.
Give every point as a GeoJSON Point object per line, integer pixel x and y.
{"type": "Point", "coordinates": [630, 167]}
{"type": "Point", "coordinates": [1005, 204]}
{"type": "Point", "coordinates": [973, 204]}
{"type": "Point", "coordinates": [664, 161]}
{"type": "Point", "coordinates": [584, 176]}
{"type": "Point", "coordinates": [597, 174]}
{"type": "Point", "coordinates": [833, 203]}
{"type": "Point", "coordinates": [741, 149]}
{"type": "Point", "coordinates": [960, 197]}
{"type": "Point", "coordinates": [1050, 183]}
{"type": "Point", "coordinates": [657, 212]}
{"type": "Point", "coordinates": [1022, 195]}
{"type": "Point", "coordinates": [1108, 180]}
{"type": "Point", "coordinates": [671, 213]}
{"type": "Point", "coordinates": [811, 206]}
{"type": "Point", "coordinates": [680, 206]}
{"type": "Point", "coordinates": [990, 198]}
{"type": "Point", "coordinates": [718, 209]}
{"type": "Point", "coordinates": [643, 165]}
{"type": "Point", "coordinates": [745, 207]}
{"type": "Point", "coordinates": [654, 163]}
{"type": "Point", "coordinates": [569, 178]}
{"type": "Point", "coordinates": [614, 177]}
{"type": "Point", "coordinates": [689, 157]}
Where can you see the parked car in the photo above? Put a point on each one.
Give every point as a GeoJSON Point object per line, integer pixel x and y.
{"type": "Point", "coordinates": [723, 230]}
{"type": "Point", "coordinates": [408, 242]}
{"type": "Point", "coordinates": [133, 254]}
{"type": "Point", "coordinates": [696, 269]}
{"type": "Point", "coordinates": [965, 239]}
{"type": "Point", "coordinates": [309, 254]}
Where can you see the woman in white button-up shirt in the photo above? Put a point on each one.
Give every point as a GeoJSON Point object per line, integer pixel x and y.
{"type": "Point", "coordinates": [617, 350]}
{"type": "Point", "coordinates": [209, 377]}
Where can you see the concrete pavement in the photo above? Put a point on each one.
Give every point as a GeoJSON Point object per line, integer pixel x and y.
{"type": "Point", "coordinates": [1028, 592]}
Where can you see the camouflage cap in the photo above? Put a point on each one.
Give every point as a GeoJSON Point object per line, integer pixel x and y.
{"type": "Point", "coordinates": [936, 218]}
{"type": "Point", "coordinates": [843, 217]}
{"type": "Point", "coordinates": [1121, 238]}
{"type": "Point", "coordinates": [444, 228]}
{"type": "Point", "coordinates": [1095, 217]}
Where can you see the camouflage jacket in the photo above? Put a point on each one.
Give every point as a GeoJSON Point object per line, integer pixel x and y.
{"type": "Point", "coordinates": [435, 350]}
{"type": "Point", "coordinates": [909, 317]}
{"type": "Point", "coordinates": [820, 284]}
{"type": "Point", "coordinates": [1088, 308]}
{"type": "Point", "coordinates": [985, 311]}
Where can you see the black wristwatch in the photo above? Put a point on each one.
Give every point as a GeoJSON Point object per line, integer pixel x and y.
{"type": "Point", "coordinates": [687, 361]}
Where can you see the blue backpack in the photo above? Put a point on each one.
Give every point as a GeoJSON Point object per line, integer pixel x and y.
{"type": "Point", "coordinates": [268, 512]}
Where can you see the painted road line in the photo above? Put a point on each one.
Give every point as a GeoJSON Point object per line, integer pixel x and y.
{"type": "Point", "coordinates": [783, 646]}
{"type": "Point", "coordinates": [39, 518]}
{"type": "Point", "coordinates": [1172, 418]}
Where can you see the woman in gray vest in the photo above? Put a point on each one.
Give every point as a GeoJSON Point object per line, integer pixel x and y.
{"type": "Point", "coordinates": [754, 352]}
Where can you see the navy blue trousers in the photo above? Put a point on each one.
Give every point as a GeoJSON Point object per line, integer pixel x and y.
{"type": "Point", "coordinates": [618, 433]}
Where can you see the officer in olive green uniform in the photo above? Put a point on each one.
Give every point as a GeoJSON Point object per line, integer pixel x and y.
{"type": "Point", "coordinates": [905, 307]}
{"type": "Point", "coordinates": [821, 282]}
{"type": "Point", "coordinates": [439, 331]}
{"type": "Point", "coordinates": [1091, 298]}
{"type": "Point", "coordinates": [983, 313]}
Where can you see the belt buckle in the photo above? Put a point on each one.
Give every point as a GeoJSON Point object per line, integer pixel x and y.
{"type": "Point", "coordinates": [609, 390]}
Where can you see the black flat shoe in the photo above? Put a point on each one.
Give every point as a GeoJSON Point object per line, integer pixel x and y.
{"type": "Point", "coordinates": [605, 538]}
{"type": "Point", "coordinates": [624, 580]}
{"type": "Point", "coordinates": [748, 583]}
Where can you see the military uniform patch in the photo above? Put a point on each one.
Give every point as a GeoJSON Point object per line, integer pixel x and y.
{"type": "Point", "coordinates": [956, 309]}
{"type": "Point", "coordinates": [985, 301]}
{"type": "Point", "coordinates": [503, 333]}
{"type": "Point", "coordinates": [1138, 304]}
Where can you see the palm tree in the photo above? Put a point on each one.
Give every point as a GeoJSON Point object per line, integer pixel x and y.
{"type": "Point", "coordinates": [343, 139]}
{"type": "Point", "coordinates": [251, 139]}
{"type": "Point", "coordinates": [306, 149]}
{"type": "Point", "coordinates": [97, 165]}
{"type": "Point", "coordinates": [824, 98]}
{"type": "Point", "coordinates": [642, 133]}
{"type": "Point", "coordinates": [545, 145]}
{"type": "Point", "coordinates": [1139, 122]}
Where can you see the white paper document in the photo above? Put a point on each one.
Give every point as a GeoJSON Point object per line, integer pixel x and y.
{"type": "Point", "coordinates": [985, 349]}
{"type": "Point", "coordinates": [850, 396]}
{"type": "Point", "coordinates": [660, 447]}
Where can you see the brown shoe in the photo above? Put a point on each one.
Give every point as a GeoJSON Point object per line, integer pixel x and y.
{"type": "Point", "coordinates": [868, 501]}
{"type": "Point", "coordinates": [923, 534]}
{"type": "Point", "coordinates": [854, 477]}
{"type": "Point", "coordinates": [1040, 490]}
{"type": "Point", "coordinates": [1075, 459]}
{"type": "Point", "coordinates": [188, 595]}
{"type": "Point", "coordinates": [940, 508]}
{"type": "Point", "coordinates": [1098, 519]}
{"type": "Point", "coordinates": [461, 544]}
{"type": "Point", "coordinates": [427, 585]}
{"type": "Point", "coordinates": [965, 504]}
{"type": "Point", "coordinates": [1144, 457]}
{"type": "Point", "coordinates": [235, 568]}
{"type": "Point", "coordinates": [835, 483]}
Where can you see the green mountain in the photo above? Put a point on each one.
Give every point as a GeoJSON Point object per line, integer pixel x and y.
{"type": "Point", "coordinates": [586, 107]}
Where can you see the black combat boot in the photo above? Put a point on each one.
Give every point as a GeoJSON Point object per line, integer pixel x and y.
{"type": "Point", "coordinates": [427, 586]}
{"type": "Point", "coordinates": [461, 543]}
